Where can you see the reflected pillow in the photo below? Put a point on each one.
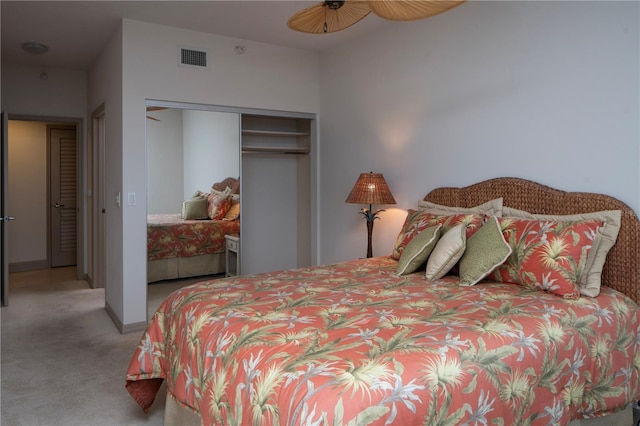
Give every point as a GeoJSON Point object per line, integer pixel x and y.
{"type": "Point", "coordinates": [195, 208]}
{"type": "Point", "coordinates": [234, 211]}
{"type": "Point", "coordinates": [219, 204]}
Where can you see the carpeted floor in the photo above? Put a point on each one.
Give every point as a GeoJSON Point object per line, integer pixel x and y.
{"type": "Point", "coordinates": [63, 362]}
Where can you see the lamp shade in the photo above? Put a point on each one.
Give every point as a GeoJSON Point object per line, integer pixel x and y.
{"type": "Point", "coordinates": [370, 188]}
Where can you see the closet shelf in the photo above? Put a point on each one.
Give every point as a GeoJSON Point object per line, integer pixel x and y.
{"type": "Point", "coordinates": [272, 133]}
{"type": "Point", "coordinates": [274, 150]}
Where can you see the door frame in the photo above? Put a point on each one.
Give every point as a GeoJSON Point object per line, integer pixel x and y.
{"type": "Point", "coordinates": [4, 185]}
{"type": "Point", "coordinates": [96, 224]}
{"type": "Point", "coordinates": [81, 184]}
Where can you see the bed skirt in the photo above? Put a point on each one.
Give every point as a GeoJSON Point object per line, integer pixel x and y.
{"type": "Point", "coordinates": [185, 267]}
{"type": "Point", "coordinates": [175, 414]}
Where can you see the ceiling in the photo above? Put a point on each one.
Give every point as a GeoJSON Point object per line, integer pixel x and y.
{"type": "Point", "coordinates": [76, 31]}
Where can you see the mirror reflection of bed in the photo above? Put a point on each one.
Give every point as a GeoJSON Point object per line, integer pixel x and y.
{"type": "Point", "coordinates": [188, 151]}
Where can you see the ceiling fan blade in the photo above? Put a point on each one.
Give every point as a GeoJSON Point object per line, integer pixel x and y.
{"type": "Point", "coordinates": [321, 18]}
{"type": "Point", "coordinates": [156, 108]}
{"type": "Point", "coordinates": [410, 10]}
{"type": "Point", "coordinates": [151, 118]}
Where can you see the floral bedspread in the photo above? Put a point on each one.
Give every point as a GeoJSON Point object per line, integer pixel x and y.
{"type": "Point", "coordinates": [168, 235]}
{"type": "Point", "coordinates": [352, 343]}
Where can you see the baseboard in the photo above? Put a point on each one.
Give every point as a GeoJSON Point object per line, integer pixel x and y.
{"type": "Point", "coordinates": [124, 328]}
{"type": "Point", "coordinates": [32, 265]}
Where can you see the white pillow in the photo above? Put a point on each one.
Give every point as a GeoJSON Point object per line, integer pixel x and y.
{"type": "Point", "coordinates": [447, 252]}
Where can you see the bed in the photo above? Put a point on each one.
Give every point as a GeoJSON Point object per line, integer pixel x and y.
{"type": "Point", "coordinates": [182, 248]}
{"type": "Point", "coordinates": [359, 343]}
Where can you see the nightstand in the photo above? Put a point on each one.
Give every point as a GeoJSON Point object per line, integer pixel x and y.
{"type": "Point", "coordinates": [232, 255]}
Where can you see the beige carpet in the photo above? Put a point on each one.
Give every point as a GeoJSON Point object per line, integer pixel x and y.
{"type": "Point", "coordinates": [63, 362]}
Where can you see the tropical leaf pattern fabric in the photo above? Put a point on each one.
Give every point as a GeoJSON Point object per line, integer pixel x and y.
{"type": "Point", "coordinates": [169, 236]}
{"type": "Point", "coordinates": [546, 254]}
{"type": "Point", "coordinates": [417, 221]}
{"type": "Point", "coordinates": [353, 343]}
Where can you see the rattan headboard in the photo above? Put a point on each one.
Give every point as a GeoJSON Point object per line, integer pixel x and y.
{"type": "Point", "coordinates": [622, 268]}
{"type": "Point", "coordinates": [229, 182]}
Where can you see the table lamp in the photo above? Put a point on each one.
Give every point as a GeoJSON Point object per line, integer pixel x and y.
{"type": "Point", "coordinates": [370, 188]}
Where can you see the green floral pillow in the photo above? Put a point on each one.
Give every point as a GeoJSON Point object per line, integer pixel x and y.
{"type": "Point", "coordinates": [417, 221]}
{"type": "Point", "coordinates": [418, 250]}
{"type": "Point", "coordinates": [486, 250]}
{"type": "Point", "coordinates": [545, 254]}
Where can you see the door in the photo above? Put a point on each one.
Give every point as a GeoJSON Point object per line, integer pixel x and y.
{"type": "Point", "coordinates": [4, 214]}
{"type": "Point", "coordinates": [63, 194]}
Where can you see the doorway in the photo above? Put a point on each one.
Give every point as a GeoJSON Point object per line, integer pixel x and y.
{"type": "Point", "coordinates": [43, 187]}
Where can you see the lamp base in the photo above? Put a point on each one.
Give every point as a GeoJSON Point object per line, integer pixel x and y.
{"type": "Point", "coordinates": [369, 233]}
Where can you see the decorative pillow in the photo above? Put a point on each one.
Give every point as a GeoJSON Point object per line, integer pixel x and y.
{"type": "Point", "coordinates": [418, 250]}
{"type": "Point", "coordinates": [546, 254]}
{"type": "Point", "coordinates": [490, 208]}
{"type": "Point", "coordinates": [219, 204]}
{"type": "Point", "coordinates": [195, 208]}
{"type": "Point", "coordinates": [234, 211]}
{"type": "Point", "coordinates": [446, 253]}
{"type": "Point", "coordinates": [485, 251]}
{"type": "Point", "coordinates": [605, 238]}
{"type": "Point", "coordinates": [417, 221]}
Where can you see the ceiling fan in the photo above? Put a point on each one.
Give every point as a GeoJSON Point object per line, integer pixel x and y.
{"type": "Point", "coordinates": [335, 15]}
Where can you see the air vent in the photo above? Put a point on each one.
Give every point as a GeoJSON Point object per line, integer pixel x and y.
{"type": "Point", "coordinates": [194, 58]}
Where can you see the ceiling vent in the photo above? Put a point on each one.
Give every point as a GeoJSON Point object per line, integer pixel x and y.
{"type": "Point", "coordinates": [192, 58]}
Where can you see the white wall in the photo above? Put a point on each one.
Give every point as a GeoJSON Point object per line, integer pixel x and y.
{"type": "Point", "coordinates": [211, 149]}
{"type": "Point", "coordinates": [105, 88]}
{"type": "Point", "coordinates": [265, 76]}
{"type": "Point", "coordinates": [27, 195]}
{"type": "Point", "coordinates": [164, 162]}
{"type": "Point", "coordinates": [546, 91]}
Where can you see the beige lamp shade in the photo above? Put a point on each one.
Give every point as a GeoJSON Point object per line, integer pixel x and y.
{"type": "Point", "coordinates": [329, 17]}
{"type": "Point", "coordinates": [370, 188]}
{"type": "Point", "coordinates": [410, 10]}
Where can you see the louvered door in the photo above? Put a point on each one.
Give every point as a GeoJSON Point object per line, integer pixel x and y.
{"type": "Point", "coordinates": [63, 184]}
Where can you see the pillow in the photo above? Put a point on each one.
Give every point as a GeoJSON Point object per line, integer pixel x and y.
{"type": "Point", "coordinates": [546, 254]}
{"type": "Point", "coordinates": [234, 211]}
{"type": "Point", "coordinates": [219, 204]}
{"type": "Point", "coordinates": [446, 253]}
{"type": "Point", "coordinates": [490, 208]}
{"type": "Point", "coordinates": [605, 238]}
{"type": "Point", "coordinates": [485, 251]}
{"type": "Point", "coordinates": [418, 250]}
{"type": "Point", "coordinates": [417, 221]}
{"type": "Point", "coordinates": [195, 208]}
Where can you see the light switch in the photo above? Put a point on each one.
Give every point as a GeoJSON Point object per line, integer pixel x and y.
{"type": "Point", "coordinates": [131, 198]}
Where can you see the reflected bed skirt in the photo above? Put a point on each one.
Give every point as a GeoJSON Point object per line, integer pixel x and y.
{"type": "Point", "coordinates": [185, 267]}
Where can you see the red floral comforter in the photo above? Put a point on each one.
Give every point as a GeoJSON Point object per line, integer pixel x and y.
{"type": "Point", "coordinates": [353, 343]}
{"type": "Point", "coordinates": [168, 235]}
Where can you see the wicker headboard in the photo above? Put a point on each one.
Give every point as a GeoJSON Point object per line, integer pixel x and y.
{"type": "Point", "coordinates": [622, 268]}
{"type": "Point", "coordinates": [230, 182]}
